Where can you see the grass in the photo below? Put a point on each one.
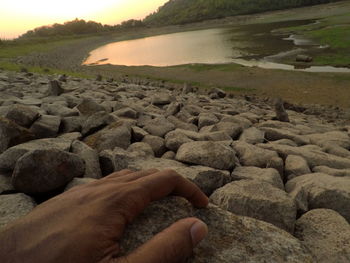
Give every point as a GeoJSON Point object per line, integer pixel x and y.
{"type": "Point", "coordinates": [207, 67]}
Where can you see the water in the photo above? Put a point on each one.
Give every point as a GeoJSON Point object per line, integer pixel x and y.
{"type": "Point", "coordinates": [245, 45]}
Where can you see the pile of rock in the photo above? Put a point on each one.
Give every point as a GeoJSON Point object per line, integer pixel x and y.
{"type": "Point", "coordinates": [279, 191]}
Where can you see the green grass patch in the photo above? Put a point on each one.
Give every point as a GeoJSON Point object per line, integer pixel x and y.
{"type": "Point", "coordinates": [336, 36]}
{"type": "Point", "coordinates": [207, 67]}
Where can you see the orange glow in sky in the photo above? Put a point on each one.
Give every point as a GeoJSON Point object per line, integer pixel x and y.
{"type": "Point", "coordinates": [19, 16]}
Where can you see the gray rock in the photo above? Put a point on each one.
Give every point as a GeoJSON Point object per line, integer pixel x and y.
{"type": "Point", "coordinates": [296, 166]}
{"type": "Point", "coordinates": [71, 124]}
{"type": "Point", "coordinates": [278, 164]}
{"type": "Point", "coordinates": [88, 107]}
{"type": "Point", "coordinates": [159, 127]}
{"type": "Point", "coordinates": [169, 155]}
{"type": "Point", "coordinates": [230, 128]}
{"type": "Point", "coordinates": [13, 207]}
{"type": "Point", "coordinates": [231, 239]}
{"type": "Point", "coordinates": [314, 157]}
{"type": "Point", "coordinates": [12, 134]}
{"type": "Point", "coordinates": [6, 186]}
{"type": "Point", "coordinates": [207, 119]}
{"type": "Point", "coordinates": [22, 115]}
{"type": "Point", "coordinates": [10, 156]}
{"type": "Point", "coordinates": [252, 135]}
{"type": "Point", "coordinates": [281, 113]}
{"type": "Point", "coordinates": [268, 175]}
{"type": "Point", "coordinates": [181, 124]}
{"type": "Point", "coordinates": [114, 135]}
{"type": "Point", "coordinates": [42, 171]}
{"type": "Point", "coordinates": [251, 155]}
{"type": "Point", "coordinates": [161, 99]}
{"type": "Point", "coordinates": [91, 158]}
{"type": "Point", "coordinates": [55, 88]}
{"type": "Point", "coordinates": [212, 154]}
{"type": "Point", "coordinates": [126, 113]}
{"type": "Point", "coordinates": [79, 181]}
{"type": "Point", "coordinates": [303, 58]}
{"type": "Point", "coordinates": [331, 171]}
{"type": "Point", "coordinates": [138, 133]}
{"type": "Point", "coordinates": [141, 149]}
{"type": "Point", "coordinates": [60, 110]}
{"type": "Point", "coordinates": [174, 139]}
{"type": "Point", "coordinates": [326, 234]}
{"type": "Point", "coordinates": [114, 161]}
{"type": "Point", "coordinates": [157, 144]}
{"type": "Point", "coordinates": [319, 190]}
{"type": "Point", "coordinates": [218, 92]}
{"type": "Point", "coordinates": [46, 126]}
{"type": "Point", "coordinates": [96, 122]}
{"type": "Point", "coordinates": [72, 136]}
{"type": "Point", "coordinates": [259, 200]}
{"type": "Point", "coordinates": [173, 108]}
{"type": "Point", "coordinates": [335, 138]}
{"type": "Point", "coordinates": [273, 134]}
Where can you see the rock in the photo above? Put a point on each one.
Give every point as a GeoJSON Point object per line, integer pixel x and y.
{"type": "Point", "coordinates": [252, 135]}
{"type": "Point", "coordinates": [96, 122]}
{"type": "Point", "coordinates": [334, 138]}
{"type": "Point", "coordinates": [60, 110]}
{"type": "Point", "coordinates": [6, 186]}
{"type": "Point", "coordinates": [22, 115]}
{"type": "Point", "coordinates": [90, 157]}
{"type": "Point", "coordinates": [281, 114]}
{"type": "Point", "coordinates": [331, 171]}
{"type": "Point", "coordinates": [250, 155]}
{"type": "Point", "coordinates": [212, 154]}
{"type": "Point", "coordinates": [273, 134]}
{"type": "Point", "coordinates": [244, 123]}
{"type": "Point", "coordinates": [278, 164]}
{"type": "Point", "coordinates": [10, 156]}
{"type": "Point", "coordinates": [314, 157]}
{"type": "Point", "coordinates": [303, 58]}
{"type": "Point", "coordinates": [12, 134]}
{"type": "Point", "coordinates": [317, 190]}
{"type": "Point", "coordinates": [174, 139]}
{"type": "Point", "coordinates": [71, 124]}
{"type": "Point", "coordinates": [326, 234]}
{"type": "Point", "coordinates": [296, 166]}
{"type": "Point", "coordinates": [88, 107]}
{"type": "Point", "coordinates": [218, 92]}
{"type": "Point", "coordinates": [137, 133]}
{"type": "Point", "coordinates": [46, 126]}
{"type": "Point", "coordinates": [207, 119]}
{"type": "Point", "coordinates": [159, 127]}
{"type": "Point", "coordinates": [231, 238]}
{"type": "Point", "coordinates": [231, 129]}
{"type": "Point", "coordinates": [78, 181]}
{"type": "Point", "coordinates": [173, 108]}
{"type": "Point", "coordinates": [13, 207]}
{"type": "Point", "coordinates": [169, 155]}
{"type": "Point", "coordinates": [72, 136]}
{"type": "Point", "coordinates": [141, 149]}
{"type": "Point", "coordinates": [43, 171]}
{"type": "Point", "coordinates": [114, 161]}
{"type": "Point", "coordinates": [157, 144]}
{"type": "Point", "coordinates": [268, 175]}
{"type": "Point", "coordinates": [161, 99]}
{"type": "Point", "coordinates": [259, 200]}
{"type": "Point", "coordinates": [187, 89]}
{"type": "Point", "coordinates": [182, 125]}
{"type": "Point", "coordinates": [126, 113]}
{"type": "Point", "coordinates": [114, 135]}
{"type": "Point", "coordinates": [55, 88]}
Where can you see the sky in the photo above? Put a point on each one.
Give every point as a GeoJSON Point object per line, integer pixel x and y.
{"type": "Point", "coordinates": [19, 16]}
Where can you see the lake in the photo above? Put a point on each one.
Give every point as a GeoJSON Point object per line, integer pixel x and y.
{"type": "Point", "coordinates": [247, 45]}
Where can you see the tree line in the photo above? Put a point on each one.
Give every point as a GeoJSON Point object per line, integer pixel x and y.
{"type": "Point", "coordinates": [187, 11]}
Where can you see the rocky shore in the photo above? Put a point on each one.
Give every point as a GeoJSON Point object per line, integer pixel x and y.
{"type": "Point", "coordinates": [279, 191]}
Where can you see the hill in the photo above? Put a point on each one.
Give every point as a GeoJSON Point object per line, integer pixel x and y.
{"type": "Point", "coordinates": [187, 11]}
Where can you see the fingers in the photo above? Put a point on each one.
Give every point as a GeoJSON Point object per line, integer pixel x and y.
{"type": "Point", "coordinates": [175, 244]}
{"type": "Point", "coordinates": [161, 184]}
{"type": "Point", "coordinates": [136, 175]}
{"type": "Point", "coordinates": [118, 174]}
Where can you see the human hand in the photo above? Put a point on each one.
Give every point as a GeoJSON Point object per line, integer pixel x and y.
{"type": "Point", "coordinates": [86, 223]}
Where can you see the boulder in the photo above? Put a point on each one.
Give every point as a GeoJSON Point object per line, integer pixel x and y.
{"type": "Point", "coordinates": [159, 127]}
{"type": "Point", "coordinates": [231, 238]}
{"type": "Point", "coordinates": [179, 124]}
{"type": "Point", "coordinates": [43, 171]}
{"type": "Point", "coordinates": [46, 126]}
{"type": "Point", "coordinates": [126, 113]}
{"type": "Point", "coordinates": [60, 110]}
{"type": "Point", "coordinates": [6, 186]}
{"type": "Point", "coordinates": [295, 166]}
{"type": "Point", "coordinates": [281, 114]}
{"type": "Point", "coordinates": [161, 99]}
{"type": "Point", "coordinates": [90, 157]}
{"type": "Point", "coordinates": [12, 134]}
{"type": "Point", "coordinates": [173, 108]}
{"type": "Point", "coordinates": [55, 88]}
{"type": "Point", "coordinates": [206, 119]}
{"type": "Point", "coordinates": [96, 122]}
{"type": "Point", "coordinates": [141, 149]}
{"type": "Point", "coordinates": [13, 207]}
{"type": "Point", "coordinates": [326, 234]}
{"type": "Point", "coordinates": [218, 92]}
{"type": "Point", "coordinates": [268, 175]}
{"type": "Point", "coordinates": [88, 107]}
{"type": "Point", "coordinates": [303, 58]}
{"type": "Point", "coordinates": [319, 190]}
{"type": "Point", "coordinates": [207, 153]}
{"type": "Point", "coordinates": [117, 134]}
{"type": "Point", "coordinates": [252, 135]}
{"type": "Point", "coordinates": [259, 200]}
{"type": "Point", "coordinates": [273, 134]}
{"type": "Point", "coordinates": [71, 124]}
{"type": "Point", "coordinates": [22, 115]}
{"type": "Point", "coordinates": [251, 155]}
{"type": "Point", "coordinates": [174, 139]}
{"type": "Point", "coordinates": [331, 171]}
{"type": "Point", "coordinates": [137, 133]}
{"type": "Point", "coordinates": [169, 155]}
{"type": "Point", "coordinates": [157, 144]}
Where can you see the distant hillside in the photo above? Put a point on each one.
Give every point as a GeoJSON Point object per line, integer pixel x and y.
{"type": "Point", "coordinates": [187, 11]}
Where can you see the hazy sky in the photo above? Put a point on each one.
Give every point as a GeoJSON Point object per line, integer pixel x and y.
{"type": "Point", "coordinates": [19, 16]}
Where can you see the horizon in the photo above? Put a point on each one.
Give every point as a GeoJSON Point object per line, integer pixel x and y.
{"type": "Point", "coordinates": [17, 16]}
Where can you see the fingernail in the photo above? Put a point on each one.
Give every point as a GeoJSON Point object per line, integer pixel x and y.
{"type": "Point", "coordinates": [199, 231]}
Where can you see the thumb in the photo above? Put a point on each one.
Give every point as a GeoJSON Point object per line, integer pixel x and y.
{"type": "Point", "coordinates": [175, 244]}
